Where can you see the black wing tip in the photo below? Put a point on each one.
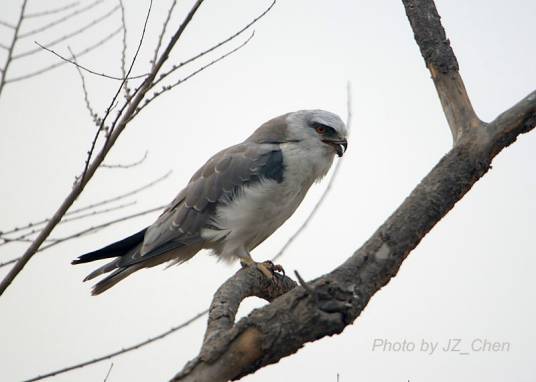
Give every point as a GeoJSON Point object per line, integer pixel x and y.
{"type": "Point", "coordinates": [116, 249]}
{"type": "Point", "coordinates": [86, 258]}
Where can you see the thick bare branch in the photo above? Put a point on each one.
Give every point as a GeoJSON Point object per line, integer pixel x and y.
{"type": "Point", "coordinates": [284, 326]}
{"type": "Point", "coordinates": [443, 65]}
{"type": "Point", "coordinates": [517, 120]}
{"type": "Point", "coordinates": [244, 283]}
{"type": "Point", "coordinates": [330, 303]}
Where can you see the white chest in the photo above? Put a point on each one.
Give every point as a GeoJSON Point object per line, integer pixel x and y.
{"type": "Point", "coordinates": [263, 207]}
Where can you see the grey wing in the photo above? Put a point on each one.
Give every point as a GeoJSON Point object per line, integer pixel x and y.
{"type": "Point", "coordinates": [219, 180]}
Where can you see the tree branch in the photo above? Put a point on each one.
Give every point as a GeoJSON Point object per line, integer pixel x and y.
{"type": "Point", "coordinates": [330, 303]}
{"type": "Point", "coordinates": [53, 11]}
{"type": "Point", "coordinates": [441, 61]}
{"type": "Point", "coordinates": [92, 206]}
{"type": "Point", "coordinates": [61, 19]}
{"type": "Point", "coordinates": [14, 41]}
{"type": "Point", "coordinates": [65, 61]}
{"type": "Point", "coordinates": [73, 61]}
{"type": "Point", "coordinates": [120, 352]}
{"type": "Point", "coordinates": [67, 36]}
{"type": "Point", "coordinates": [246, 282]}
{"type": "Point", "coordinates": [116, 129]}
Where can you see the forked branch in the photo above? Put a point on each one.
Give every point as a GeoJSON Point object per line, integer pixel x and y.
{"type": "Point", "coordinates": [330, 303]}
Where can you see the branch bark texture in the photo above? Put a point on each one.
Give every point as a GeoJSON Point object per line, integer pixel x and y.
{"type": "Point", "coordinates": [325, 306]}
{"type": "Point", "coordinates": [443, 65]}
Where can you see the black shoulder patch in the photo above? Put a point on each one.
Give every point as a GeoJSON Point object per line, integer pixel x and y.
{"type": "Point", "coordinates": [274, 167]}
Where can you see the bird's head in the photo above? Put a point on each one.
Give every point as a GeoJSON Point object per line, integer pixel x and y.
{"type": "Point", "coordinates": [318, 128]}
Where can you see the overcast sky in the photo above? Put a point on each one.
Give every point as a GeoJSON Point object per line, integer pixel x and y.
{"type": "Point", "coordinates": [471, 278]}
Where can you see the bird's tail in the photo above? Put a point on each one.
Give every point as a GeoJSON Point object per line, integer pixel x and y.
{"type": "Point", "coordinates": [112, 279]}
{"type": "Point", "coordinates": [123, 248]}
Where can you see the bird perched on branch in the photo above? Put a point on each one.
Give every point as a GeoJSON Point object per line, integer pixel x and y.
{"type": "Point", "coordinates": [234, 201]}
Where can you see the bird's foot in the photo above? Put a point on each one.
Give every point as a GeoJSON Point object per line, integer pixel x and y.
{"type": "Point", "coordinates": [268, 268]}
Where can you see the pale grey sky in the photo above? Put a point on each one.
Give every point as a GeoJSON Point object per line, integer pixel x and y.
{"type": "Point", "coordinates": [471, 278]}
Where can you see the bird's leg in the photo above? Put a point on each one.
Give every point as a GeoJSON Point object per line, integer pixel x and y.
{"type": "Point", "coordinates": [267, 268]}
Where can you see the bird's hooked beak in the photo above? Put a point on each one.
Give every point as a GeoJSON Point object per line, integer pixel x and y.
{"type": "Point", "coordinates": [340, 145]}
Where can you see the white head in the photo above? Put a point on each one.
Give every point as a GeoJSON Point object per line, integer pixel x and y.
{"type": "Point", "coordinates": [317, 130]}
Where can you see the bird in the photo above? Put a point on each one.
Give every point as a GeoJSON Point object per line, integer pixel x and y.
{"type": "Point", "coordinates": [235, 201]}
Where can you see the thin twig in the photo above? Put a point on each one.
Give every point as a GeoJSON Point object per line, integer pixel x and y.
{"type": "Point", "coordinates": [166, 88]}
{"type": "Point", "coordinates": [6, 24]}
{"type": "Point", "coordinates": [53, 11]}
{"type": "Point", "coordinates": [99, 227]}
{"type": "Point", "coordinates": [24, 237]}
{"type": "Point", "coordinates": [163, 32]}
{"type": "Point", "coordinates": [9, 262]}
{"type": "Point", "coordinates": [122, 196]}
{"type": "Point", "coordinates": [128, 165]}
{"type": "Point", "coordinates": [61, 19]}
{"type": "Point", "coordinates": [87, 231]}
{"type": "Point", "coordinates": [68, 35]}
{"type": "Point", "coordinates": [71, 61]}
{"type": "Point", "coordinates": [92, 206]}
{"type": "Point", "coordinates": [63, 62]}
{"type": "Point", "coordinates": [122, 351]}
{"type": "Point", "coordinates": [97, 212]}
{"type": "Point", "coordinates": [109, 371]}
{"type": "Point", "coordinates": [14, 40]}
{"type": "Point", "coordinates": [124, 49]}
{"type": "Point", "coordinates": [216, 46]}
{"type": "Point", "coordinates": [94, 116]}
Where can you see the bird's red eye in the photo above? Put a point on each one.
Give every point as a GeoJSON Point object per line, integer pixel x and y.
{"type": "Point", "coordinates": [320, 129]}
